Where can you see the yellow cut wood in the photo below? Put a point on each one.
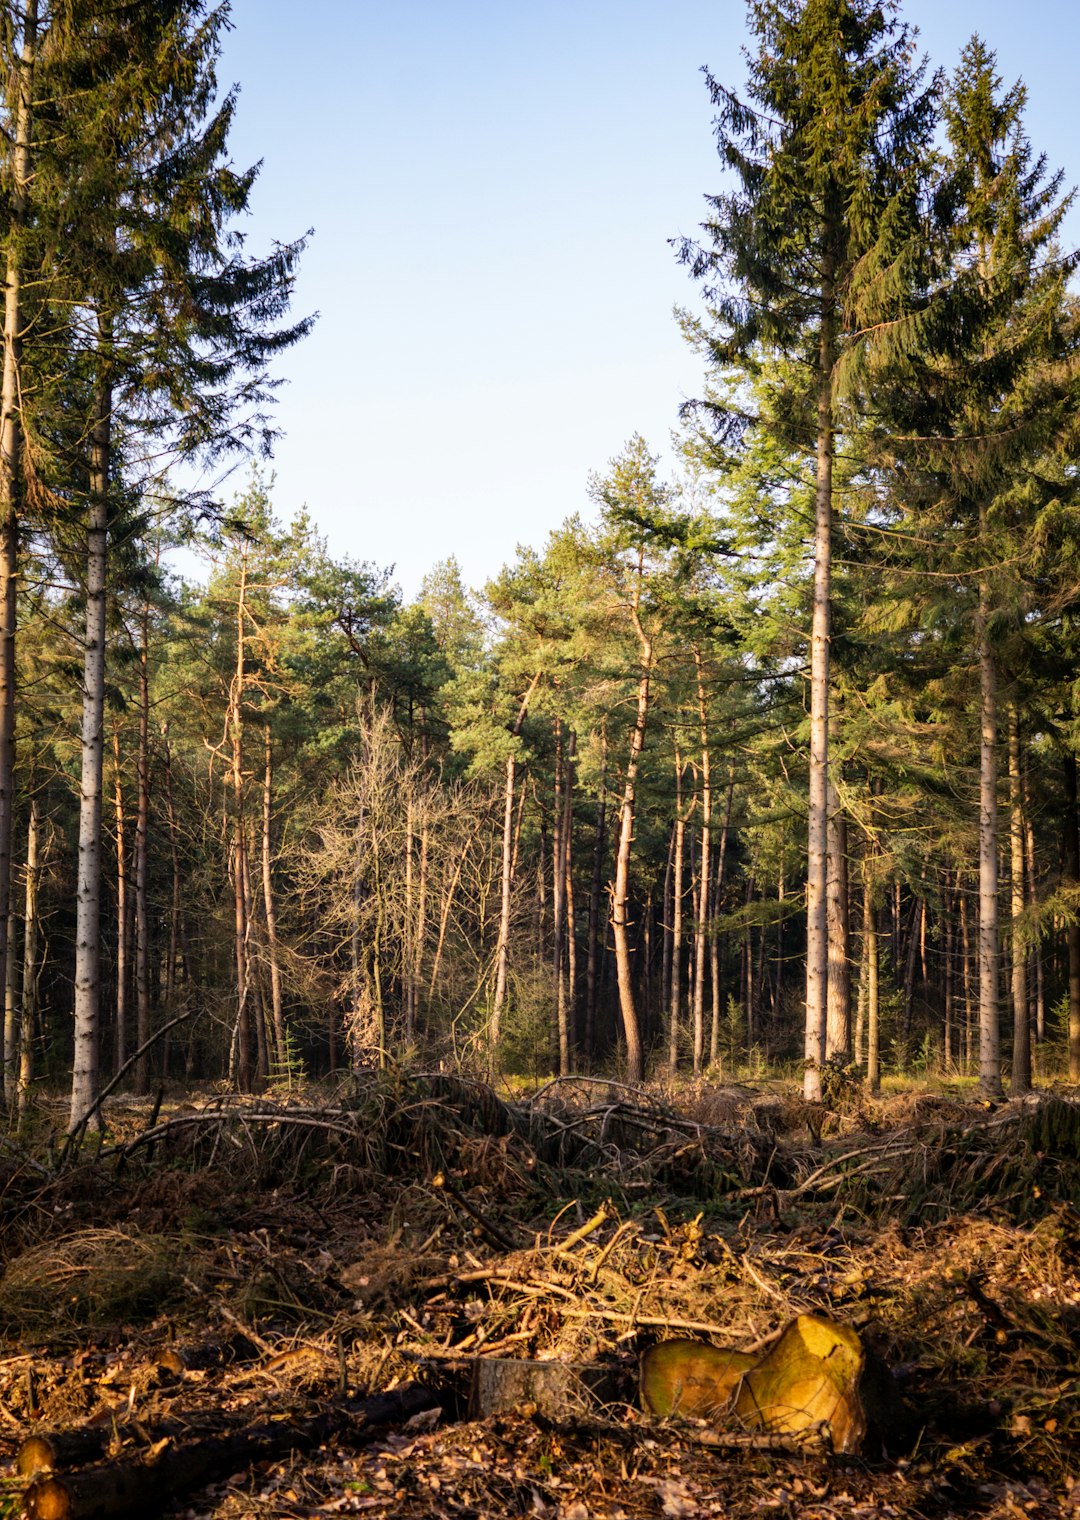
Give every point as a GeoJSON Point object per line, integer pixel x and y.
{"type": "Point", "coordinates": [691, 1379]}
{"type": "Point", "coordinates": [810, 1375]}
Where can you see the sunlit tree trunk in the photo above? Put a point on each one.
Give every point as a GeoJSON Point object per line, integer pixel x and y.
{"type": "Point", "coordinates": [246, 1056]}
{"type": "Point", "coordinates": [838, 1016]}
{"type": "Point", "coordinates": [172, 969]}
{"type": "Point", "coordinates": [620, 897]}
{"type": "Point", "coordinates": [28, 1009]}
{"type": "Point", "coordinates": [700, 951]}
{"type": "Point", "coordinates": [989, 952]}
{"type": "Point", "coordinates": [507, 883]}
{"type": "Point", "coordinates": [16, 211]}
{"type": "Point", "coordinates": [123, 907]}
{"type": "Point", "coordinates": [277, 1012]}
{"type": "Point", "coordinates": [11, 1017]}
{"type": "Point", "coordinates": [596, 919]}
{"type": "Point", "coordinates": [817, 926]}
{"type": "Point", "coordinates": [714, 944]}
{"type": "Point", "coordinates": [1021, 1060]}
{"type": "Point", "coordinates": [678, 859]}
{"type": "Point", "coordinates": [85, 1068]}
{"type": "Point", "coordinates": [142, 864]}
{"type": "Point", "coordinates": [1071, 853]}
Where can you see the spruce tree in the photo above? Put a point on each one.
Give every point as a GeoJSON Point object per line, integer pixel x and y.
{"type": "Point", "coordinates": [968, 420]}
{"type": "Point", "coordinates": [169, 330]}
{"type": "Point", "coordinates": [809, 257]}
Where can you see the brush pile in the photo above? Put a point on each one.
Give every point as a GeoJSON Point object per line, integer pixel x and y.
{"type": "Point", "coordinates": [240, 1266]}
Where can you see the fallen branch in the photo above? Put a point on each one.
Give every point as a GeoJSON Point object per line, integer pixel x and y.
{"type": "Point", "coordinates": [145, 1485]}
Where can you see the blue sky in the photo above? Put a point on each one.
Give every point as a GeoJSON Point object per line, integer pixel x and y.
{"type": "Point", "coordinates": [492, 185]}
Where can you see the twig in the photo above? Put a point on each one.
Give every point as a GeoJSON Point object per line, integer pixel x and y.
{"type": "Point", "coordinates": [582, 1232]}
{"type": "Point", "coordinates": [492, 1231]}
{"type": "Point", "coordinates": [814, 1439]}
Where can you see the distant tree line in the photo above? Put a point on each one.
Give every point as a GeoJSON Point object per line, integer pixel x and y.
{"type": "Point", "coordinates": [772, 762]}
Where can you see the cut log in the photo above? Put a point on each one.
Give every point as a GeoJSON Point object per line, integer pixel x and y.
{"type": "Point", "coordinates": [501, 1384]}
{"type": "Point", "coordinates": [816, 1379]}
{"type": "Point", "coordinates": [143, 1487]}
{"type": "Point", "coordinates": [814, 1375]}
{"type": "Point", "coordinates": [52, 1450]}
{"type": "Point", "coordinates": [691, 1379]}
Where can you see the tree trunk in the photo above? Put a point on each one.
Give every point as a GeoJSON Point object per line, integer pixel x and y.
{"type": "Point", "coordinates": [989, 954]}
{"type": "Point", "coordinates": [11, 1018]}
{"type": "Point", "coordinates": [246, 1056]}
{"type": "Point", "coordinates": [1033, 899]}
{"type": "Point", "coordinates": [558, 903]}
{"type": "Point", "coordinates": [11, 449]}
{"type": "Point", "coordinates": [714, 944]}
{"type": "Point", "coordinates": [420, 928]}
{"type": "Point", "coordinates": [965, 950]}
{"type": "Point", "coordinates": [564, 971]}
{"type": "Point", "coordinates": [173, 966]}
{"type": "Point", "coordinates": [85, 1068]}
{"type": "Point", "coordinates": [620, 897]}
{"type": "Point", "coordinates": [31, 932]}
{"type": "Point", "coordinates": [678, 893]}
{"type": "Point", "coordinates": [950, 947]}
{"type": "Point", "coordinates": [838, 1019]}
{"type": "Point", "coordinates": [593, 964]}
{"type": "Point", "coordinates": [277, 1013]}
{"type": "Point", "coordinates": [123, 907]}
{"type": "Point", "coordinates": [503, 946]}
{"type": "Point", "coordinates": [1021, 1060]}
{"type": "Point", "coordinates": [706, 857]}
{"type": "Point", "coordinates": [1071, 827]}
{"type": "Point", "coordinates": [142, 830]}
{"type": "Point", "coordinates": [873, 995]}
{"type": "Point", "coordinates": [817, 926]}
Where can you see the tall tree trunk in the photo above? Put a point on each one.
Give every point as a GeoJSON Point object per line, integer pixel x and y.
{"type": "Point", "coordinates": [989, 952]}
{"type": "Point", "coordinates": [87, 1010]}
{"type": "Point", "coordinates": [838, 1017]}
{"type": "Point", "coordinates": [1033, 899]}
{"type": "Point", "coordinates": [11, 447]}
{"type": "Point", "coordinates": [1021, 1059]}
{"type": "Point", "coordinates": [714, 938]}
{"type": "Point", "coordinates": [565, 973]}
{"type": "Point", "coordinates": [706, 857]}
{"type": "Point", "coordinates": [1071, 851]}
{"type": "Point", "coordinates": [172, 966]}
{"type": "Point", "coordinates": [950, 947]}
{"type": "Point", "coordinates": [817, 926]}
{"type": "Point", "coordinates": [31, 933]}
{"type": "Point", "coordinates": [123, 906]}
{"type": "Point", "coordinates": [11, 1018]}
{"type": "Point", "coordinates": [503, 946]}
{"type": "Point", "coordinates": [561, 1041]}
{"type": "Point", "coordinates": [965, 950]}
{"type": "Point", "coordinates": [277, 1012]}
{"type": "Point", "coordinates": [594, 961]}
{"type": "Point", "coordinates": [247, 1056]}
{"type": "Point", "coordinates": [873, 991]}
{"type": "Point", "coordinates": [420, 927]}
{"type": "Point", "coordinates": [678, 893]}
{"type": "Point", "coordinates": [667, 911]}
{"type": "Point", "coordinates": [620, 897]}
{"type": "Point", "coordinates": [142, 854]}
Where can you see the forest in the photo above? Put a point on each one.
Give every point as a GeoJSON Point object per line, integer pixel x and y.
{"type": "Point", "coordinates": [721, 854]}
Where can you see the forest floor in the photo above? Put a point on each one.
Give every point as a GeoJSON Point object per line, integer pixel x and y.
{"type": "Point", "coordinates": [210, 1296]}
